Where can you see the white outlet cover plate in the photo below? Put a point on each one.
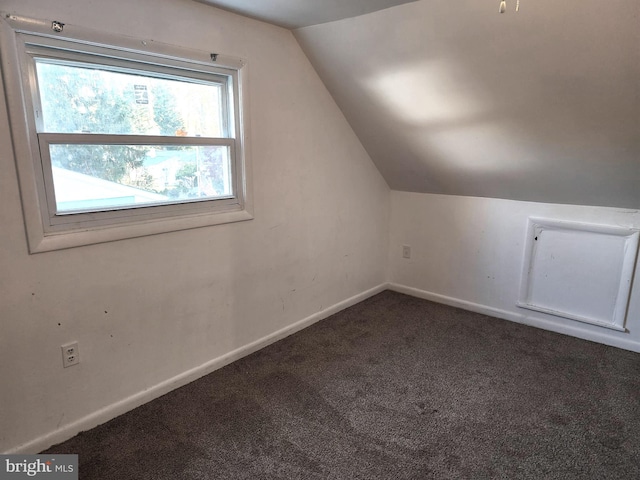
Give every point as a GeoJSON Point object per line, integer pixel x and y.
{"type": "Point", "coordinates": [70, 354]}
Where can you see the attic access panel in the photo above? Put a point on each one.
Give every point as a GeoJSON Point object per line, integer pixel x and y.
{"type": "Point", "coordinates": [579, 271]}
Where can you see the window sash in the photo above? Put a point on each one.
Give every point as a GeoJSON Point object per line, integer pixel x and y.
{"type": "Point", "coordinates": [181, 72]}
{"type": "Point", "coordinates": [90, 217]}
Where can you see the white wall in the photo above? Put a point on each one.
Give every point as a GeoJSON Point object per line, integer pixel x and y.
{"type": "Point", "coordinates": [468, 252]}
{"type": "Point", "coordinates": [149, 309]}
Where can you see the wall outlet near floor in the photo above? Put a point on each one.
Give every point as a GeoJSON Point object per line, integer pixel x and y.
{"type": "Point", "coordinates": [406, 251]}
{"type": "Point", "coordinates": [70, 354]}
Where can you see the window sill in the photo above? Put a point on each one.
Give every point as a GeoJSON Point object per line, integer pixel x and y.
{"type": "Point", "coordinates": [58, 241]}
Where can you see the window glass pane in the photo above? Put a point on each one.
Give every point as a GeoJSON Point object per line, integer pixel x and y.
{"type": "Point", "coordinates": [100, 177]}
{"type": "Point", "coordinates": [87, 99]}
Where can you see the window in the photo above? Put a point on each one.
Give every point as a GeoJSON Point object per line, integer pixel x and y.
{"type": "Point", "coordinates": [114, 142]}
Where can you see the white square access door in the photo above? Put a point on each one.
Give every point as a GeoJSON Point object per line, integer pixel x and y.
{"type": "Point", "coordinates": [579, 271]}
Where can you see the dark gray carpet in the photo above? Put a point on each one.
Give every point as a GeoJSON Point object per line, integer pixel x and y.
{"type": "Point", "coordinates": [392, 388]}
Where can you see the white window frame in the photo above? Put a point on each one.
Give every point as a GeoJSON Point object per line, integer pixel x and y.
{"type": "Point", "coordinates": [21, 39]}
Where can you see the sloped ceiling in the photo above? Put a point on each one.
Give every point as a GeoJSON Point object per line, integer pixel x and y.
{"type": "Point", "coordinates": [302, 13]}
{"type": "Point", "coordinates": [454, 98]}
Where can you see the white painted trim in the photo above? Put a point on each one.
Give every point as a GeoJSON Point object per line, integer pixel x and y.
{"type": "Point", "coordinates": [571, 316]}
{"type": "Point", "coordinates": [114, 410]}
{"type": "Point", "coordinates": [91, 37]}
{"type": "Point", "coordinates": [575, 331]}
{"type": "Point", "coordinates": [143, 228]}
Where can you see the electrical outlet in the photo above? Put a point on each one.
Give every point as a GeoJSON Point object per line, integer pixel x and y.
{"type": "Point", "coordinates": [406, 251]}
{"type": "Point", "coordinates": [70, 354]}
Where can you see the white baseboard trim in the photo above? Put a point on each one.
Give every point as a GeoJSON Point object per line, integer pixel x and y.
{"type": "Point", "coordinates": [116, 409]}
{"type": "Point", "coordinates": [526, 319]}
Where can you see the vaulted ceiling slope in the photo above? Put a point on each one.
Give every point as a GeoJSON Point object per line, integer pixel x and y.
{"type": "Point", "coordinates": [454, 98]}
{"type": "Point", "coordinates": [302, 13]}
